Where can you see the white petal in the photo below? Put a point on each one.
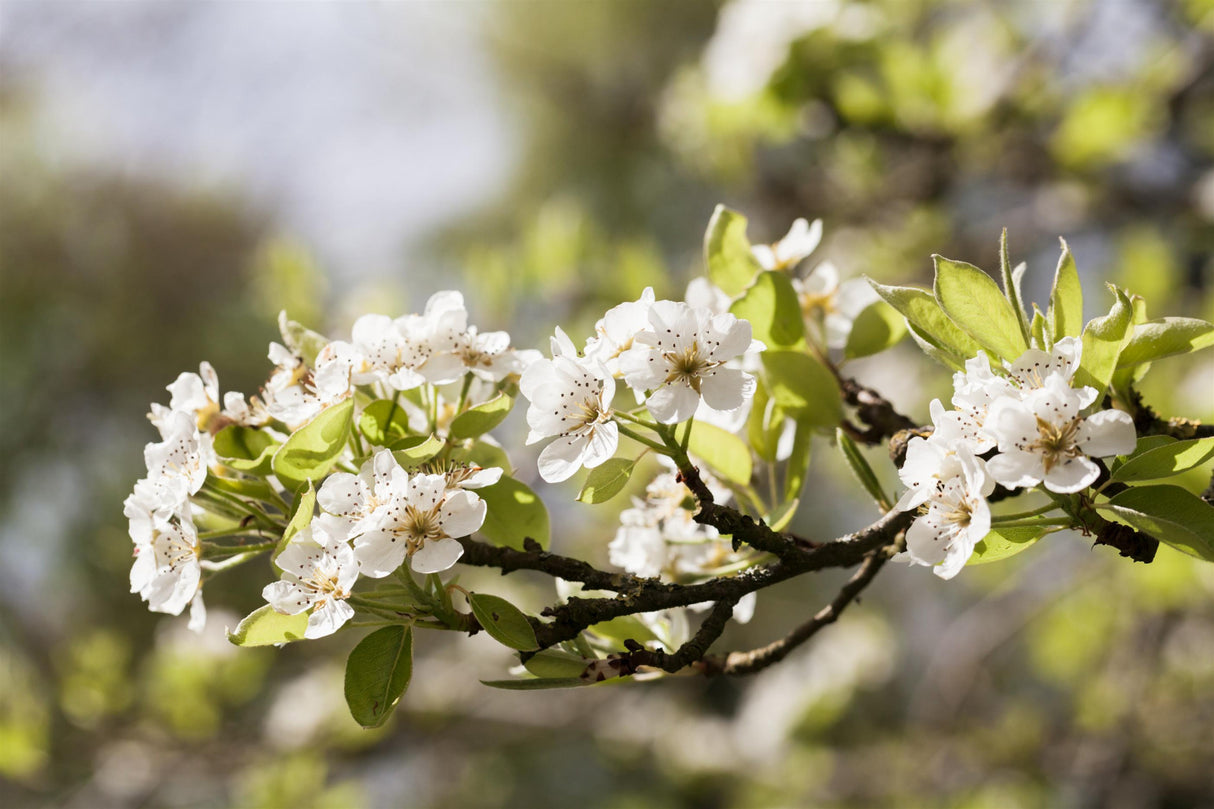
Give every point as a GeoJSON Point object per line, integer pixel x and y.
{"type": "Point", "coordinates": [435, 557]}
{"type": "Point", "coordinates": [379, 553]}
{"type": "Point", "coordinates": [328, 618]}
{"type": "Point", "coordinates": [727, 388]}
{"type": "Point", "coordinates": [482, 478]}
{"type": "Point", "coordinates": [603, 441]}
{"type": "Point", "coordinates": [198, 613]}
{"type": "Point", "coordinates": [1072, 475]}
{"type": "Point", "coordinates": [286, 598]}
{"type": "Point", "coordinates": [342, 494]}
{"type": "Point", "coordinates": [461, 514]}
{"type": "Point", "coordinates": [1015, 469]}
{"type": "Point", "coordinates": [561, 458]}
{"type": "Point", "coordinates": [673, 403]}
{"type": "Point", "coordinates": [1107, 432]}
{"type": "Point", "coordinates": [924, 543]}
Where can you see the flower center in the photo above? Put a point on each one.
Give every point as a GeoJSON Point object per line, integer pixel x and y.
{"type": "Point", "coordinates": [688, 366]}
{"type": "Point", "coordinates": [1056, 443]}
{"type": "Point", "coordinates": [420, 526]}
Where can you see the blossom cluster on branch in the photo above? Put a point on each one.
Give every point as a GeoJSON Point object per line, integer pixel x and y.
{"type": "Point", "coordinates": [366, 469]}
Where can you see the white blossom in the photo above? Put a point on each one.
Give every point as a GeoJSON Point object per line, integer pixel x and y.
{"type": "Point", "coordinates": [318, 570]}
{"type": "Point", "coordinates": [1033, 367]}
{"type": "Point", "coordinates": [295, 393]}
{"type": "Point", "coordinates": [364, 499]}
{"type": "Point", "coordinates": [489, 356]}
{"type": "Point", "coordinates": [570, 399]}
{"type": "Point", "coordinates": [682, 357]}
{"type": "Point", "coordinates": [1043, 439]}
{"type": "Point", "coordinates": [435, 337]}
{"type": "Point", "coordinates": [955, 519]}
{"type": "Point", "coordinates": [974, 391]}
{"type": "Point", "coordinates": [183, 455]}
{"type": "Point", "coordinates": [704, 294]}
{"type": "Point", "coordinates": [615, 331]}
{"type": "Point", "coordinates": [801, 240]}
{"type": "Point", "coordinates": [166, 571]}
{"type": "Point", "coordinates": [421, 523]}
{"type": "Point", "coordinates": [837, 304]}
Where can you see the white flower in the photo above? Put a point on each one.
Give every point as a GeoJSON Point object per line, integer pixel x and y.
{"type": "Point", "coordinates": [801, 240]}
{"type": "Point", "coordinates": [956, 519]}
{"type": "Point", "coordinates": [638, 546]}
{"type": "Point", "coordinates": [681, 356]}
{"type": "Point", "coordinates": [196, 393]}
{"type": "Point", "coordinates": [364, 500]}
{"type": "Point", "coordinates": [166, 572]}
{"type": "Point", "coordinates": [184, 454]}
{"type": "Point", "coordinates": [1043, 439]}
{"type": "Point", "coordinates": [295, 394]}
{"type": "Point", "coordinates": [318, 570]}
{"type": "Point", "coordinates": [616, 330]}
{"type": "Point", "coordinates": [1033, 367]}
{"type": "Point", "coordinates": [435, 337]}
{"type": "Point", "coordinates": [837, 304]}
{"type": "Point", "coordinates": [974, 391]}
{"type": "Point", "coordinates": [489, 356]}
{"type": "Point", "coordinates": [570, 399]}
{"type": "Point", "coordinates": [422, 522]}
{"type": "Point", "coordinates": [704, 294]}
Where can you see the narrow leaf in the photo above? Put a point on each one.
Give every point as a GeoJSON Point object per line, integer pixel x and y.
{"type": "Point", "coordinates": [1166, 337]}
{"type": "Point", "coordinates": [779, 519]}
{"type": "Point", "coordinates": [861, 469]}
{"type": "Point", "coordinates": [1011, 285]}
{"type": "Point", "coordinates": [1103, 340]}
{"type": "Point", "coordinates": [972, 300]}
{"type": "Point", "coordinates": [302, 511]}
{"type": "Point", "coordinates": [377, 674]}
{"type": "Point", "coordinates": [797, 468]}
{"type": "Point", "coordinates": [1173, 515]}
{"type": "Point", "coordinates": [607, 480]}
{"type": "Point", "coordinates": [1165, 461]}
{"type": "Point", "coordinates": [1065, 318]}
{"type": "Point", "coordinates": [504, 622]}
{"type": "Point", "coordinates": [383, 421]}
{"type": "Point", "coordinates": [537, 684]}
{"type": "Point", "coordinates": [556, 664]}
{"type": "Point", "coordinates": [731, 265]}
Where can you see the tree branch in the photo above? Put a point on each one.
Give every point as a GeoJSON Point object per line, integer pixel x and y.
{"type": "Point", "coordinates": [757, 659]}
{"type": "Point", "coordinates": [480, 554]}
{"type": "Point", "coordinates": [883, 421]}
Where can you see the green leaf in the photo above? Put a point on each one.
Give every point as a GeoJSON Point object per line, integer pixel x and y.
{"type": "Point", "coordinates": [265, 627]}
{"type": "Point", "coordinates": [972, 300]}
{"type": "Point", "coordinates": [1172, 515]}
{"type": "Point", "coordinates": [861, 469]}
{"type": "Point", "coordinates": [312, 450]}
{"type": "Point", "coordinates": [779, 519]}
{"type": "Point", "coordinates": [1145, 443]}
{"type": "Point", "coordinates": [1011, 284]}
{"type": "Point", "coordinates": [416, 449]}
{"type": "Point", "coordinates": [302, 341]}
{"type": "Point", "coordinates": [765, 424]}
{"type": "Point", "coordinates": [771, 306]}
{"type": "Point", "coordinates": [377, 674]}
{"type": "Point", "coordinates": [1065, 318]}
{"type": "Point", "coordinates": [1166, 337]}
{"type": "Point", "coordinates": [876, 328]}
{"type": "Point", "coordinates": [556, 664]}
{"type": "Point", "coordinates": [925, 317]}
{"type": "Point", "coordinates": [1001, 543]}
{"type": "Point", "coordinates": [302, 511]}
{"type": "Point", "coordinates": [797, 468]}
{"type": "Point", "coordinates": [1165, 461]}
{"type": "Point", "coordinates": [606, 480]}
{"type": "Point", "coordinates": [731, 265]}
{"type": "Point", "coordinates": [537, 684]}
{"type": "Point", "coordinates": [383, 421]}
{"type": "Point", "coordinates": [504, 622]}
{"type": "Point", "coordinates": [245, 449]}
{"type": "Point", "coordinates": [1037, 329]}
{"type": "Point", "coordinates": [515, 513]}
{"type": "Point", "coordinates": [803, 387]}
{"type": "Point", "coordinates": [476, 421]}
{"type": "Point", "coordinates": [625, 627]}
{"type": "Point", "coordinates": [484, 454]}
{"type": "Point", "coordinates": [727, 454]}
{"type": "Point", "coordinates": [945, 357]}
{"type": "Point", "coordinates": [1103, 340]}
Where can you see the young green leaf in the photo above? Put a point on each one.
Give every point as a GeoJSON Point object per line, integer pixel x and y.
{"type": "Point", "coordinates": [416, 449]}
{"type": "Point", "coordinates": [779, 519]}
{"type": "Point", "coordinates": [944, 356]}
{"type": "Point", "coordinates": [1065, 318]}
{"type": "Point", "coordinates": [377, 674]}
{"type": "Point", "coordinates": [1037, 329]}
{"type": "Point", "coordinates": [797, 468]}
{"type": "Point", "coordinates": [312, 450]}
{"type": "Point", "coordinates": [1165, 461]}
{"type": "Point", "coordinates": [1103, 340]}
{"type": "Point", "coordinates": [302, 341]}
{"type": "Point", "coordinates": [1001, 543]}
{"type": "Point", "coordinates": [1166, 337]}
{"type": "Point", "coordinates": [477, 421]}
{"type": "Point", "coordinates": [925, 317]}
{"type": "Point", "coordinates": [1011, 284]}
{"type": "Point", "coordinates": [265, 627]}
{"type": "Point", "coordinates": [876, 328]}
{"type": "Point", "coordinates": [1173, 515]}
{"type": "Point", "coordinates": [556, 664]}
{"type": "Point", "coordinates": [972, 300]}
{"type": "Point", "coordinates": [731, 265]}
{"type": "Point", "coordinates": [245, 449]}
{"type": "Point", "coordinates": [861, 469]}
{"type": "Point", "coordinates": [514, 514]}
{"type": "Point", "coordinates": [607, 480]}
{"type": "Point", "coordinates": [383, 421]}
{"type": "Point", "coordinates": [625, 627]}
{"type": "Point", "coordinates": [504, 622]}
{"type": "Point", "coordinates": [771, 306]}
{"type": "Point", "coordinates": [302, 511]}
{"type": "Point", "coordinates": [765, 424]}
{"type": "Point", "coordinates": [727, 454]}
{"type": "Point", "coordinates": [803, 387]}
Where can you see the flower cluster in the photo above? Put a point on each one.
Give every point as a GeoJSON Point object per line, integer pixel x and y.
{"type": "Point", "coordinates": [672, 355]}
{"type": "Point", "coordinates": [1028, 421]}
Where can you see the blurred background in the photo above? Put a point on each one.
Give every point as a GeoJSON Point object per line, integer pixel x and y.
{"type": "Point", "coordinates": [173, 174]}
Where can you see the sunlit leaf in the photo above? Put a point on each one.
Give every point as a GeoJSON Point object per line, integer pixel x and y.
{"type": "Point", "coordinates": [727, 454]}
{"type": "Point", "coordinates": [482, 418]}
{"type": "Point", "coordinates": [514, 514]}
{"type": "Point", "coordinates": [1165, 461]}
{"type": "Point", "coordinates": [1065, 317]}
{"type": "Point", "coordinates": [265, 627]}
{"type": "Point", "coordinates": [731, 265]}
{"type": "Point", "coordinates": [312, 450]}
{"type": "Point", "coordinates": [377, 674]}
{"type": "Point", "coordinates": [607, 480]}
{"type": "Point", "coordinates": [972, 300]}
{"type": "Point", "coordinates": [1173, 515]}
{"type": "Point", "coordinates": [504, 622]}
{"type": "Point", "coordinates": [771, 306]}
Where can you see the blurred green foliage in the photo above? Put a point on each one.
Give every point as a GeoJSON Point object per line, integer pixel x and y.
{"type": "Point", "coordinates": [1061, 677]}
